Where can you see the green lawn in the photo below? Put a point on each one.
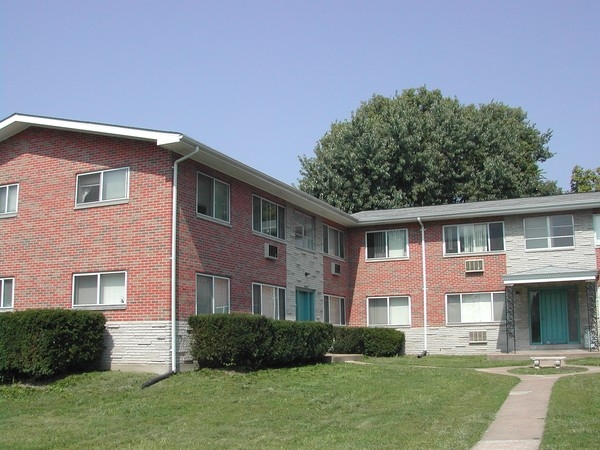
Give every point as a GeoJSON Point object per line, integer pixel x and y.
{"type": "Point", "coordinates": [433, 402]}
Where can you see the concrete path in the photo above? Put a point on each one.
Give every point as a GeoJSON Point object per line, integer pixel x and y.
{"type": "Point", "coordinates": [519, 425]}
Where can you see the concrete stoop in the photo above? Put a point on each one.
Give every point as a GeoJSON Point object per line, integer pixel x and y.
{"type": "Point", "coordinates": [341, 358]}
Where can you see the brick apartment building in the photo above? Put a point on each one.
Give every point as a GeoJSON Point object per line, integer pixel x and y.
{"type": "Point", "coordinates": [148, 226]}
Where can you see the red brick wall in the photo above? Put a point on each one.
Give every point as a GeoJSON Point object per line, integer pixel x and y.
{"type": "Point", "coordinates": [405, 277]}
{"type": "Point", "coordinates": [227, 250]}
{"type": "Point", "coordinates": [49, 240]}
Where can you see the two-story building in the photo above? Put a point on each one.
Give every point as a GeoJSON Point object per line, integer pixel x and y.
{"type": "Point", "coordinates": [151, 227]}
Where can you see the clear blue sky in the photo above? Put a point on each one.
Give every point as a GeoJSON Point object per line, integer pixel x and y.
{"type": "Point", "coordinates": [262, 81]}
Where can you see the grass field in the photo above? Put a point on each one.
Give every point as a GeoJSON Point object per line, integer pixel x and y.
{"type": "Point", "coordinates": [433, 402]}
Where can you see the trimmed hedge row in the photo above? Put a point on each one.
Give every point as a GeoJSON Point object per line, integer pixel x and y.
{"type": "Point", "coordinates": [382, 342]}
{"type": "Point", "coordinates": [42, 343]}
{"type": "Point", "coordinates": [253, 341]}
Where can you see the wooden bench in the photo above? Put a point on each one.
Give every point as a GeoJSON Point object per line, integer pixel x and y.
{"type": "Point", "coordinates": [548, 361]}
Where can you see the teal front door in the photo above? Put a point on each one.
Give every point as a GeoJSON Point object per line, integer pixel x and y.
{"type": "Point", "coordinates": [553, 316]}
{"type": "Point", "coordinates": [305, 306]}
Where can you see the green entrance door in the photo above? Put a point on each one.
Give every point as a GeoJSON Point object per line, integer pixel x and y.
{"type": "Point", "coordinates": [553, 316]}
{"type": "Point", "coordinates": [305, 306]}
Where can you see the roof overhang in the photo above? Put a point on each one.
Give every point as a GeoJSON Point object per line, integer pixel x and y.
{"type": "Point", "coordinates": [550, 274]}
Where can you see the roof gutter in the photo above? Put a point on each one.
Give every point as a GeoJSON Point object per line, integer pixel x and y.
{"type": "Point", "coordinates": [174, 261]}
{"type": "Point", "coordinates": [424, 269]}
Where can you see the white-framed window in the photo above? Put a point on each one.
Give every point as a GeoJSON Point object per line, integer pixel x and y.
{"type": "Point", "coordinates": [7, 292]}
{"type": "Point", "coordinates": [474, 238]}
{"type": "Point", "coordinates": [268, 301]}
{"type": "Point", "coordinates": [388, 311]}
{"type": "Point", "coordinates": [9, 195]}
{"type": "Point", "coordinates": [268, 217]}
{"type": "Point", "coordinates": [387, 244]}
{"type": "Point", "coordinates": [549, 232]}
{"type": "Point", "coordinates": [333, 242]}
{"type": "Point", "coordinates": [597, 229]}
{"type": "Point", "coordinates": [475, 307]}
{"type": "Point", "coordinates": [212, 198]}
{"type": "Point", "coordinates": [304, 230]}
{"type": "Point", "coordinates": [212, 294]}
{"type": "Point", "coordinates": [102, 186]}
{"type": "Point", "coordinates": [334, 309]}
{"type": "Point", "coordinates": [99, 289]}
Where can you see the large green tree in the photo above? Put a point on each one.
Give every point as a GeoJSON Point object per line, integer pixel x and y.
{"type": "Point", "coordinates": [421, 148]}
{"type": "Point", "coordinates": [585, 180]}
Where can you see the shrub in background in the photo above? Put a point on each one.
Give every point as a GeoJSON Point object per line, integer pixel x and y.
{"type": "Point", "coordinates": [348, 340]}
{"type": "Point", "coordinates": [41, 343]}
{"type": "Point", "coordinates": [383, 342]}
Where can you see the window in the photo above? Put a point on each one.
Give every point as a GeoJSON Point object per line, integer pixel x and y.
{"type": "Point", "coordinates": [268, 218]}
{"type": "Point", "coordinates": [474, 238]}
{"type": "Point", "coordinates": [103, 186]}
{"type": "Point", "coordinates": [6, 292]}
{"type": "Point", "coordinates": [388, 311]}
{"type": "Point", "coordinates": [549, 232]}
{"type": "Point", "coordinates": [473, 308]}
{"type": "Point", "coordinates": [304, 230]}
{"type": "Point", "coordinates": [335, 310]}
{"type": "Point", "coordinates": [8, 199]}
{"type": "Point", "coordinates": [212, 198]}
{"type": "Point", "coordinates": [597, 229]}
{"type": "Point", "coordinates": [212, 294]}
{"type": "Point", "coordinates": [387, 244]}
{"type": "Point", "coordinates": [268, 301]}
{"type": "Point", "coordinates": [97, 289]}
{"type": "Point", "coordinates": [333, 242]}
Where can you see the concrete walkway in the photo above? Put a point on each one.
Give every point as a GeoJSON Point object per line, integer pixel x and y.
{"type": "Point", "coordinates": [519, 424]}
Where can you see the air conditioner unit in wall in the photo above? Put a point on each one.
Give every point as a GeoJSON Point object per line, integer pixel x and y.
{"type": "Point", "coordinates": [473, 265]}
{"type": "Point", "coordinates": [336, 268]}
{"type": "Point", "coordinates": [271, 251]}
{"type": "Point", "coordinates": [478, 337]}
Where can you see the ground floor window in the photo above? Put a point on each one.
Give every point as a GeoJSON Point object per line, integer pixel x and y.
{"type": "Point", "coordinates": [473, 308]}
{"type": "Point", "coordinates": [388, 311]}
{"type": "Point", "coordinates": [268, 301]}
{"type": "Point", "coordinates": [212, 294]}
{"type": "Point", "coordinates": [334, 310]}
{"type": "Point", "coordinates": [6, 292]}
{"type": "Point", "coordinates": [107, 288]}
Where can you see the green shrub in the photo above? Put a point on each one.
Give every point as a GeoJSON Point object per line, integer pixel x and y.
{"type": "Point", "coordinates": [231, 340]}
{"type": "Point", "coordinates": [383, 342]}
{"type": "Point", "coordinates": [348, 340]}
{"type": "Point", "coordinates": [41, 343]}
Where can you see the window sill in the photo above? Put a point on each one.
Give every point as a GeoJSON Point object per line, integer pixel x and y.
{"type": "Point", "coordinates": [268, 236]}
{"type": "Point", "coordinates": [390, 326]}
{"type": "Point", "coordinates": [400, 258]}
{"type": "Point", "coordinates": [474, 324]}
{"type": "Point", "coordinates": [474, 254]}
{"type": "Point", "coordinates": [213, 220]}
{"type": "Point", "coordinates": [100, 307]}
{"type": "Point", "coordinates": [103, 203]}
{"type": "Point", "coordinates": [7, 215]}
{"type": "Point", "coordinates": [2, 310]}
{"type": "Point", "coordinates": [551, 249]}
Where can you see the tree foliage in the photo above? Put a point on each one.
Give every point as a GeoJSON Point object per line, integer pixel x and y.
{"type": "Point", "coordinates": [585, 180]}
{"type": "Point", "coordinates": [421, 148]}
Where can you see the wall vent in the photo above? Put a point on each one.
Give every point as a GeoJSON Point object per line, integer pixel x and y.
{"type": "Point", "coordinates": [271, 251]}
{"type": "Point", "coordinates": [478, 337]}
{"type": "Point", "coordinates": [336, 268]}
{"type": "Point", "coordinates": [473, 265]}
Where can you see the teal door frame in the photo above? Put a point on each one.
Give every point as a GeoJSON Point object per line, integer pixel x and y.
{"type": "Point", "coordinates": [305, 305]}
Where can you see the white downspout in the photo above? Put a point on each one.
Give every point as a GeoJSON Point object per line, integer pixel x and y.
{"type": "Point", "coordinates": [424, 286]}
{"type": "Point", "coordinates": [174, 263]}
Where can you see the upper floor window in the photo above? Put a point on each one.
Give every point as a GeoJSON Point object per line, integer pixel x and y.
{"type": "Point", "coordinates": [388, 311]}
{"type": "Point", "coordinates": [473, 308]}
{"type": "Point", "coordinates": [597, 229]}
{"type": "Point", "coordinates": [549, 232]}
{"type": "Point", "coordinates": [212, 198]}
{"type": "Point", "coordinates": [387, 244]}
{"type": "Point", "coordinates": [334, 310]}
{"type": "Point", "coordinates": [212, 294]}
{"type": "Point", "coordinates": [333, 242]}
{"type": "Point", "coordinates": [7, 286]}
{"type": "Point", "coordinates": [268, 301]}
{"type": "Point", "coordinates": [474, 238]}
{"type": "Point", "coordinates": [98, 289]}
{"type": "Point", "coordinates": [268, 217]}
{"type": "Point", "coordinates": [304, 230]}
{"type": "Point", "coordinates": [8, 198]}
{"type": "Point", "coordinates": [103, 186]}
